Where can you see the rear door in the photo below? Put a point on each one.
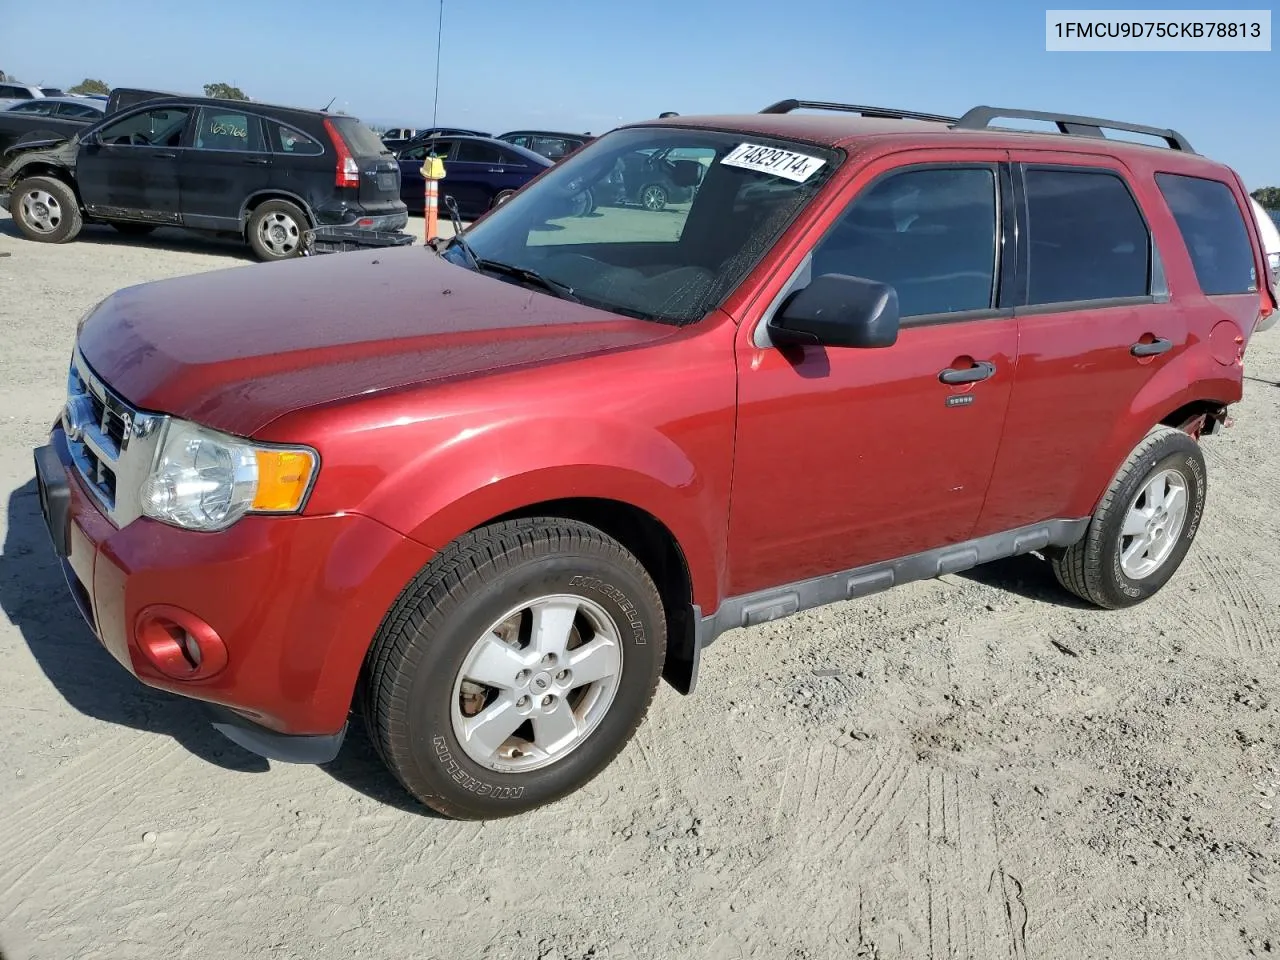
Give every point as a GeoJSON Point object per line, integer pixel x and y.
{"type": "Point", "coordinates": [226, 163]}
{"type": "Point", "coordinates": [1096, 328]}
{"type": "Point", "coordinates": [475, 176]}
{"type": "Point", "coordinates": [378, 171]}
{"type": "Point", "coordinates": [130, 170]}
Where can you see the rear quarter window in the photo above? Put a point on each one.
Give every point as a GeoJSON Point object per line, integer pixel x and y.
{"type": "Point", "coordinates": [291, 141]}
{"type": "Point", "coordinates": [1214, 231]}
{"type": "Point", "coordinates": [361, 141]}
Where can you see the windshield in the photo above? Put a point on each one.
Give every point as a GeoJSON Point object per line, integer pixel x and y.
{"type": "Point", "coordinates": [651, 222]}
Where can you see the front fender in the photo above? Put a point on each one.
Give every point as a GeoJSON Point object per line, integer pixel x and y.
{"type": "Point", "coordinates": [478, 475]}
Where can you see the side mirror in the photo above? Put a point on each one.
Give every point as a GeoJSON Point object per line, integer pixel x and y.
{"type": "Point", "coordinates": [836, 310]}
{"type": "Point", "coordinates": [90, 139]}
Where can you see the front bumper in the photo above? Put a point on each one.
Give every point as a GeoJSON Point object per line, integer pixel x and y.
{"type": "Point", "coordinates": [294, 601]}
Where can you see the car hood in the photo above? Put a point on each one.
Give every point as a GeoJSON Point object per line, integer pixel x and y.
{"type": "Point", "coordinates": [234, 349]}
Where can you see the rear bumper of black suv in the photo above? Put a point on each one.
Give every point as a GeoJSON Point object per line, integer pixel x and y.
{"type": "Point", "coordinates": [388, 217]}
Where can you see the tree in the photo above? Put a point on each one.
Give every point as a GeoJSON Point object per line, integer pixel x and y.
{"type": "Point", "coordinates": [224, 91]}
{"type": "Point", "coordinates": [90, 86]}
{"type": "Point", "coordinates": [1269, 197]}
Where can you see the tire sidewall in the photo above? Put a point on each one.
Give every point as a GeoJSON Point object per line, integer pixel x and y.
{"type": "Point", "coordinates": [71, 220]}
{"type": "Point", "coordinates": [434, 751]}
{"type": "Point", "coordinates": [260, 213]}
{"type": "Point", "coordinates": [1179, 453]}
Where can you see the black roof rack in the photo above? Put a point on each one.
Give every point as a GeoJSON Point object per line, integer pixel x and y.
{"type": "Point", "coordinates": [889, 113]}
{"type": "Point", "coordinates": [979, 118]}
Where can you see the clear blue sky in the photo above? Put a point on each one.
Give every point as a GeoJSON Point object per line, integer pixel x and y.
{"type": "Point", "coordinates": [593, 64]}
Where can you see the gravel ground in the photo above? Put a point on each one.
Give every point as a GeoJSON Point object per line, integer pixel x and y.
{"type": "Point", "coordinates": [973, 766]}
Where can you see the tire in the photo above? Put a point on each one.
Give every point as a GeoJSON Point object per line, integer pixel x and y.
{"type": "Point", "coordinates": [1110, 568]}
{"type": "Point", "coordinates": [415, 700]}
{"type": "Point", "coordinates": [275, 230]}
{"type": "Point", "coordinates": [46, 210]}
{"type": "Point", "coordinates": [130, 229]}
{"type": "Point", "coordinates": [653, 196]}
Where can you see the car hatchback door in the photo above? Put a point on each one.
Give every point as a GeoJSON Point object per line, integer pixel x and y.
{"type": "Point", "coordinates": [226, 163]}
{"type": "Point", "coordinates": [1096, 327]}
{"type": "Point", "coordinates": [129, 168]}
{"type": "Point", "coordinates": [846, 457]}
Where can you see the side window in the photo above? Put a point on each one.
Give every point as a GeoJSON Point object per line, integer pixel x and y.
{"type": "Point", "coordinates": [1216, 236]}
{"type": "Point", "coordinates": [38, 107]}
{"type": "Point", "coordinates": [77, 110]}
{"type": "Point", "coordinates": [161, 127]}
{"type": "Point", "coordinates": [221, 129]}
{"type": "Point", "coordinates": [15, 93]}
{"type": "Point", "coordinates": [512, 159]}
{"type": "Point", "coordinates": [521, 141]}
{"type": "Point", "coordinates": [1088, 240]}
{"type": "Point", "coordinates": [289, 140]}
{"type": "Point", "coordinates": [477, 151]}
{"type": "Point", "coordinates": [553, 148]}
{"type": "Point", "coordinates": [929, 233]}
{"type": "Point", "coordinates": [436, 148]}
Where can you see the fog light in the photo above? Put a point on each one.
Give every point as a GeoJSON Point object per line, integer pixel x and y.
{"type": "Point", "coordinates": [178, 643]}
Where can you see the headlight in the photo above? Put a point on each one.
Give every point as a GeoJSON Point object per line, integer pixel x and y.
{"type": "Point", "coordinates": [205, 480]}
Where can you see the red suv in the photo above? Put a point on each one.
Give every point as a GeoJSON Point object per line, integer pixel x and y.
{"type": "Point", "coordinates": [487, 496]}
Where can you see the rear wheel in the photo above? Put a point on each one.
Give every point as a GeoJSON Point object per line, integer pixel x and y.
{"type": "Point", "coordinates": [1143, 527]}
{"type": "Point", "coordinates": [514, 668]}
{"type": "Point", "coordinates": [276, 229]}
{"type": "Point", "coordinates": [46, 210]}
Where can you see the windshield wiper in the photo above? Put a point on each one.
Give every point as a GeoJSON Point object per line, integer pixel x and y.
{"type": "Point", "coordinates": [458, 238]}
{"type": "Point", "coordinates": [561, 290]}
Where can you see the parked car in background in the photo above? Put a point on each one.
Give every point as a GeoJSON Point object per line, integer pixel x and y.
{"type": "Point", "coordinates": [422, 136]}
{"type": "Point", "coordinates": [46, 116]}
{"type": "Point", "coordinates": [548, 143]}
{"type": "Point", "coordinates": [1269, 227]}
{"type": "Point", "coordinates": [397, 137]}
{"type": "Point", "coordinates": [480, 172]}
{"type": "Point", "coordinates": [251, 170]}
{"type": "Point", "coordinates": [11, 93]}
{"type": "Point", "coordinates": [644, 178]}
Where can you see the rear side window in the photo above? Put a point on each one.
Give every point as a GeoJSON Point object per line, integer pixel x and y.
{"type": "Point", "coordinates": [361, 141]}
{"type": "Point", "coordinates": [78, 110]}
{"type": "Point", "coordinates": [1214, 231]}
{"type": "Point", "coordinates": [288, 140]}
{"type": "Point", "coordinates": [477, 151]}
{"type": "Point", "coordinates": [1088, 238]}
{"type": "Point", "coordinates": [929, 233]}
{"type": "Point", "coordinates": [228, 130]}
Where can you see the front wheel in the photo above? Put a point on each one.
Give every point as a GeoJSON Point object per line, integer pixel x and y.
{"type": "Point", "coordinates": [653, 196]}
{"type": "Point", "coordinates": [514, 668]}
{"type": "Point", "coordinates": [1143, 527]}
{"type": "Point", "coordinates": [275, 230]}
{"type": "Point", "coordinates": [46, 210]}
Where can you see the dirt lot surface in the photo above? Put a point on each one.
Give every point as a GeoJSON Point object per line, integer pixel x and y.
{"type": "Point", "coordinates": [973, 766]}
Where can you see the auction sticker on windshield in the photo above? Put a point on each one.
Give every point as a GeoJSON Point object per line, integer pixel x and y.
{"type": "Point", "coordinates": [783, 163]}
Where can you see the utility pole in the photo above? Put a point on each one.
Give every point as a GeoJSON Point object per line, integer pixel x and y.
{"type": "Point", "coordinates": [439, 44]}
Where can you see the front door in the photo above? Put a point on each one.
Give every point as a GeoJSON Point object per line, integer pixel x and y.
{"type": "Point", "coordinates": [129, 170]}
{"type": "Point", "coordinates": [1095, 328]}
{"type": "Point", "coordinates": [475, 176]}
{"type": "Point", "coordinates": [412, 185]}
{"type": "Point", "coordinates": [846, 457]}
{"type": "Point", "coordinates": [227, 162]}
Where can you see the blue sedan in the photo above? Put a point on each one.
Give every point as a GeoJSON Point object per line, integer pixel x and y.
{"type": "Point", "coordinates": [479, 172]}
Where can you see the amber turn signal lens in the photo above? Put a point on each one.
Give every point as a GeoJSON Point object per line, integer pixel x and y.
{"type": "Point", "coordinates": [283, 478]}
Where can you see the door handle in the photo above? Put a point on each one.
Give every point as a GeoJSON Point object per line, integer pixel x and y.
{"type": "Point", "coordinates": [166, 155]}
{"type": "Point", "coordinates": [263, 161]}
{"type": "Point", "coordinates": [979, 371]}
{"type": "Point", "coordinates": [1159, 345]}
{"type": "Point", "coordinates": [496, 170]}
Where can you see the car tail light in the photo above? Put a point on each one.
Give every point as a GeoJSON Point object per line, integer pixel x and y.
{"type": "Point", "coordinates": [348, 172]}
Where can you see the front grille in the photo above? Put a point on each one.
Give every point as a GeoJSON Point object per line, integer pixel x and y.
{"type": "Point", "coordinates": [111, 442]}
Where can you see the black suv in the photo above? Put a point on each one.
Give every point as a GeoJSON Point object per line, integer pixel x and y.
{"type": "Point", "coordinates": [262, 173]}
